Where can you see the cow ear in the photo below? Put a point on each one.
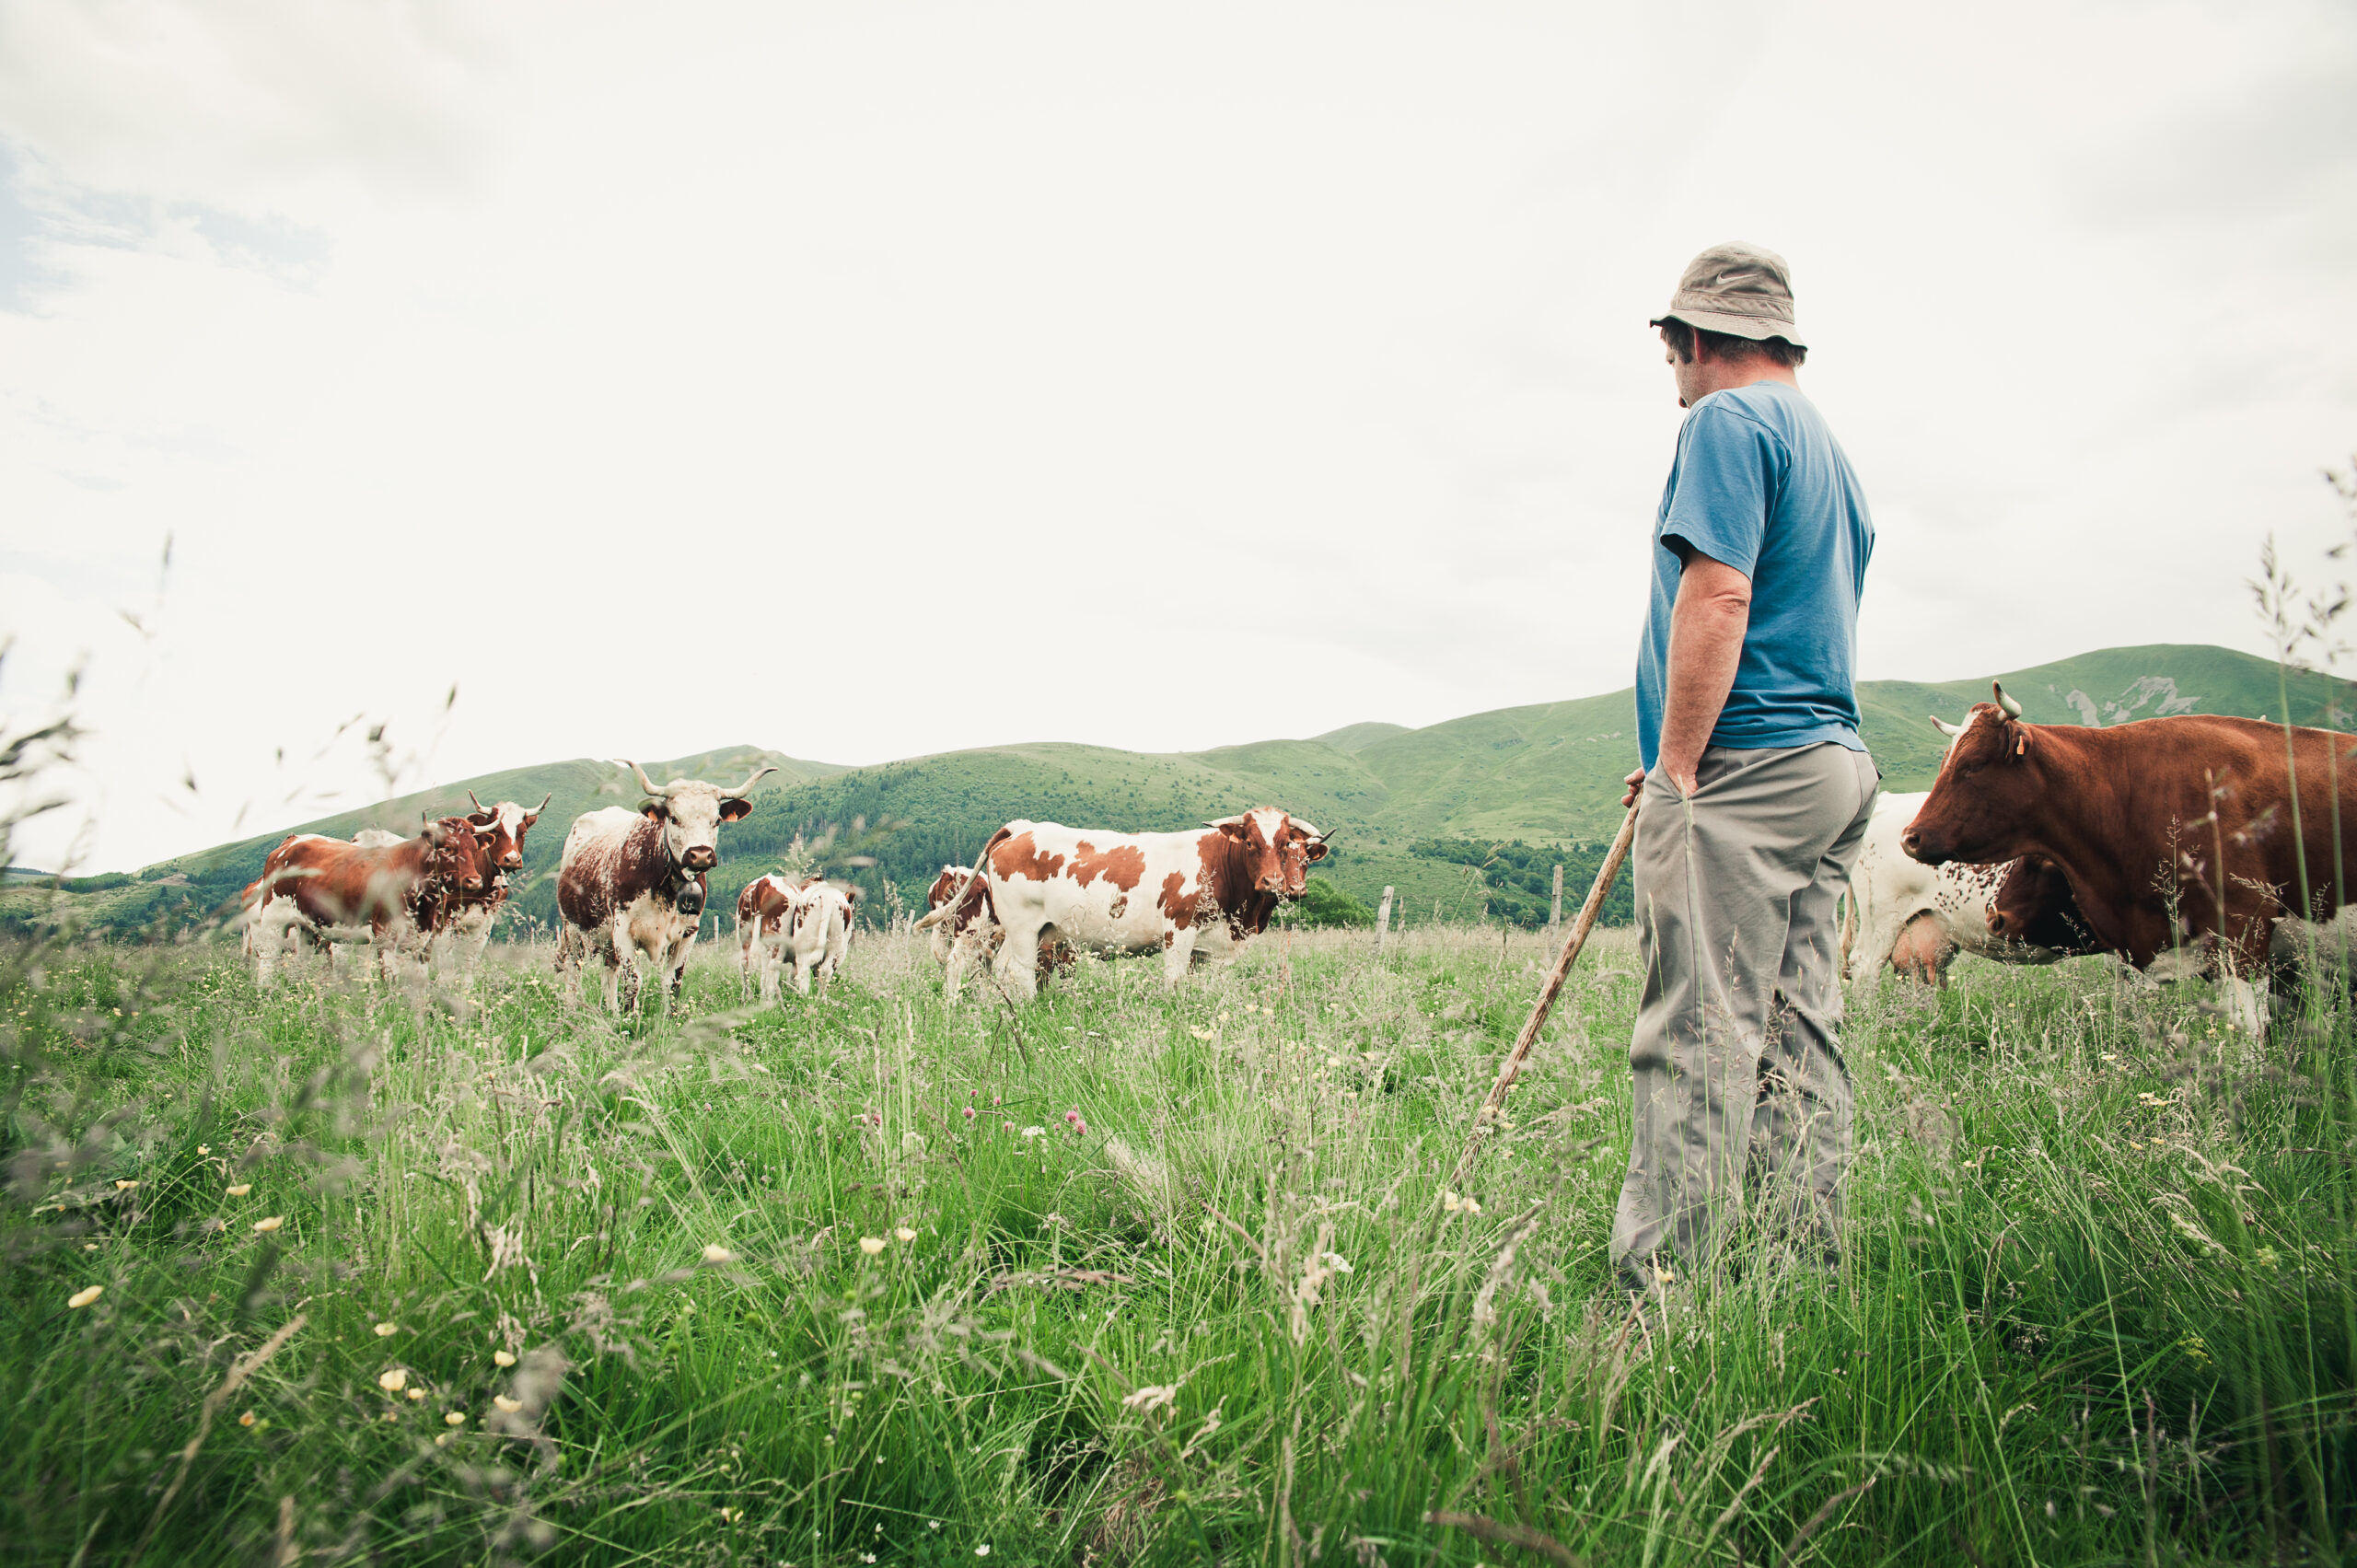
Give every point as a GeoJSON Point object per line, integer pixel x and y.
{"type": "Point", "coordinates": [735, 809]}
{"type": "Point", "coordinates": [1317, 850]}
{"type": "Point", "coordinates": [653, 810]}
{"type": "Point", "coordinates": [1234, 827]}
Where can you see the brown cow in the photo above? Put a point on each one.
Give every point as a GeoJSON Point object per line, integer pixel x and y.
{"type": "Point", "coordinates": [311, 885]}
{"type": "Point", "coordinates": [2171, 831]}
{"type": "Point", "coordinates": [500, 831]}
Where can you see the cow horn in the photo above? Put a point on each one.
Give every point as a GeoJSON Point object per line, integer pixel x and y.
{"type": "Point", "coordinates": [738, 793]}
{"type": "Point", "coordinates": [653, 792]}
{"type": "Point", "coordinates": [2013, 709]}
{"type": "Point", "coordinates": [1225, 821]}
{"type": "Point", "coordinates": [543, 806]}
{"type": "Point", "coordinates": [476, 804]}
{"type": "Point", "coordinates": [1950, 730]}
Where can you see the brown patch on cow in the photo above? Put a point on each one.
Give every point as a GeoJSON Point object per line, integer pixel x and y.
{"type": "Point", "coordinates": [761, 906]}
{"type": "Point", "coordinates": [419, 880]}
{"type": "Point", "coordinates": [1019, 856]}
{"type": "Point", "coordinates": [1119, 907]}
{"type": "Point", "coordinates": [1179, 909]}
{"type": "Point", "coordinates": [1122, 865]}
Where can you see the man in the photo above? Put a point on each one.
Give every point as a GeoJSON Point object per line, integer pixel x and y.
{"type": "Point", "coordinates": [1757, 788]}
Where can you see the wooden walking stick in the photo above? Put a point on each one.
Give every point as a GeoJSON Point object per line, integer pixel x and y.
{"type": "Point", "coordinates": [1496, 1100]}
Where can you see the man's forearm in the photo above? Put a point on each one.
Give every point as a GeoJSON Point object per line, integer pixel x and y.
{"type": "Point", "coordinates": [1706, 628]}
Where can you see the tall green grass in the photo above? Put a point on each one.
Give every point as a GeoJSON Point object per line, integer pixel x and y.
{"type": "Point", "coordinates": [1137, 1275]}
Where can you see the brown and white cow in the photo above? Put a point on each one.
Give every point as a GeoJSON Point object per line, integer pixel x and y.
{"type": "Point", "coordinates": [1187, 895]}
{"type": "Point", "coordinates": [500, 830]}
{"type": "Point", "coordinates": [764, 909]}
{"type": "Point", "coordinates": [632, 884]}
{"type": "Point", "coordinates": [2175, 834]}
{"type": "Point", "coordinates": [818, 933]}
{"type": "Point", "coordinates": [313, 886]}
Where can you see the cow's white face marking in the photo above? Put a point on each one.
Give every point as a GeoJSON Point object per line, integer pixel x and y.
{"type": "Point", "coordinates": [690, 822]}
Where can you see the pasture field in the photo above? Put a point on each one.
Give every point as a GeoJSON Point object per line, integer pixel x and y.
{"type": "Point", "coordinates": [1137, 1275]}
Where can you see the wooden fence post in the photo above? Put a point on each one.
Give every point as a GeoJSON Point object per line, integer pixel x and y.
{"type": "Point", "coordinates": [1382, 920]}
{"type": "Point", "coordinates": [1555, 913]}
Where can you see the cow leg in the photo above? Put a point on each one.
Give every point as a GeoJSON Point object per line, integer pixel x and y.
{"type": "Point", "coordinates": [2246, 1008]}
{"type": "Point", "coordinates": [965, 953]}
{"type": "Point", "coordinates": [1178, 952]}
{"type": "Point", "coordinates": [676, 966]}
{"type": "Point", "coordinates": [620, 950]}
{"type": "Point", "coordinates": [571, 947]}
{"type": "Point", "coordinates": [1017, 968]}
{"type": "Point", "coordinates": [266, 940]}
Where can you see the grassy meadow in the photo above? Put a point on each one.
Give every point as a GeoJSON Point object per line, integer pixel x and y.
{"type": "Point", "coordinates": [1140, 1276]}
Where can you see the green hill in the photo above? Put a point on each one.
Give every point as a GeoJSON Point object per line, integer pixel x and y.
{"type": "Point", "coordinates": [1464, 818]}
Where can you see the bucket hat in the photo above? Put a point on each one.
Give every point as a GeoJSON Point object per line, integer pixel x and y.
{"type": "Point", "coordinates": [1741, 290]}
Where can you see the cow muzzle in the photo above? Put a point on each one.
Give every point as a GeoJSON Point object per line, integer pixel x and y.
{"type": "Point", "coordinates": [1998, 925]}
{"type": "Point", "coordinates": [701, 858]}
{"type": "Point", "coordinates": [1911, 842]}
{"type": "Point", "coordinates": [512, 862]}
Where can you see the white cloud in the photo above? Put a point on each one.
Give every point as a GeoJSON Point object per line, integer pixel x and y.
{"type": "Point", "coordinates": [1161, 382]}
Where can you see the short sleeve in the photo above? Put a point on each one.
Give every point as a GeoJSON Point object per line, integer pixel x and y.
{"type": "Point", "coordinates": [1730, 470]}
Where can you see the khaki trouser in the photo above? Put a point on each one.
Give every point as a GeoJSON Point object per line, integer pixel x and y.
{"type": "Point", "coordinates": [1735, 1053]}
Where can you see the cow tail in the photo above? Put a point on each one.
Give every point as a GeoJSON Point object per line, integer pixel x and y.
{"type": "Point", "coordinates": [943, 913]}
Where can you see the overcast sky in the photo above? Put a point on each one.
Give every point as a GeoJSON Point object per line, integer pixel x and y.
{"type": "Point", "coordinates": [1155, 381]}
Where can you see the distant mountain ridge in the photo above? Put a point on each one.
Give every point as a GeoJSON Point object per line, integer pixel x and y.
{"type": "Point", "coordinates": [1546, 773]}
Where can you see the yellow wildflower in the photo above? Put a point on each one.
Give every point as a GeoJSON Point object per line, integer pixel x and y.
{"type": "Point", "coordinates": [83, 1297]}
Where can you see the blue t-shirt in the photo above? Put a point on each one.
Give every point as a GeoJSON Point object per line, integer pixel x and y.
{"type": "Point", "coordinates": [1761, 486]}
